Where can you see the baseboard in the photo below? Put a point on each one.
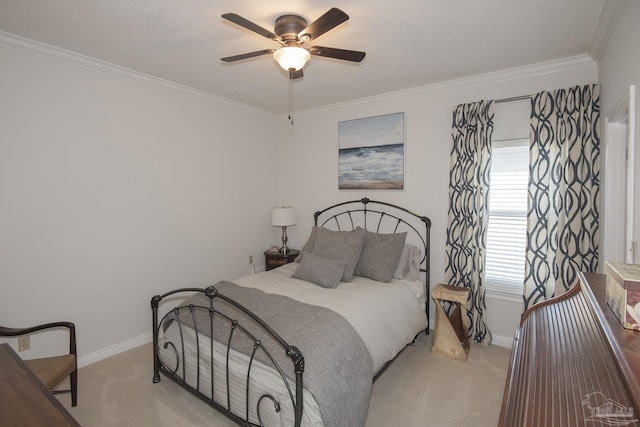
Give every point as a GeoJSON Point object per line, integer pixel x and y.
{"type": "Point", "coordinates": [502, 341]}
{"type": "Point", "coordinates": [495, 340]}
{"type": "Point", "coordinates": [114, 349]}
{"type": "Point", "coordinates": [147, 337]}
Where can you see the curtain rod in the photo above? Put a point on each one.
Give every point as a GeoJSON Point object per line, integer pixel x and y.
{"type": "Point", "coordinates": [515, 98]}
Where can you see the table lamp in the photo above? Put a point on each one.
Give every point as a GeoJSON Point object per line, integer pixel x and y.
{"type": "Point", "coordinates": [283, 217]}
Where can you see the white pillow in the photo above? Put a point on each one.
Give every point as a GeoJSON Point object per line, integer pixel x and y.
{"type": "Point", "coordinates": [409, 264]}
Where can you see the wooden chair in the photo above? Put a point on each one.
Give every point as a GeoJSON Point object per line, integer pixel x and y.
{"type": "Point", "coordinates": [52, 370]}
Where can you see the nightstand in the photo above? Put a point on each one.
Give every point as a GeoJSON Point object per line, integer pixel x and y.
{"type": "Point", "coordinates": [276, 259]}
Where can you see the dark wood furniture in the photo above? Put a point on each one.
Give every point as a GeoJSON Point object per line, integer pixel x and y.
{"type": "Point", "coordinates": [573, 363]}
{"type": "Point", "coordinates": [276, 259]}
{"type": "Point", "coordinates": [25, 400]}
{"type": "Point", "coordinates": [51, 371]}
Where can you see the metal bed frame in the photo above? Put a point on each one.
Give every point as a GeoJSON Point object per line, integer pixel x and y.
{"type": "Point", "coordinates": [234, 329]}
{"type": "Point", "coordinates": [224, 309]}
{"type": "Point", "coordinates": [369, 215]}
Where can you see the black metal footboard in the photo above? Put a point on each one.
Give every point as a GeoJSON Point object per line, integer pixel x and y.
{"type": "Point", "coordinates": [200, 332]}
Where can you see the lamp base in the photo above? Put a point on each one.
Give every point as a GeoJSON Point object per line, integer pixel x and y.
{"type": "Point", "coordinates": [284, 249]}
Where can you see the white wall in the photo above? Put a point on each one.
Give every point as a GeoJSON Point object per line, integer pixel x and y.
{"type": "Point", "coordinates": [308, 155]}
{"type": "Point", "coordinates": [619, 67]}
{"type": "Point", "coordinates": [114, 187]}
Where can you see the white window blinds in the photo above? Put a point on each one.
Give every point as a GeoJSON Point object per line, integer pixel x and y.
{"type": "Point", "coordinates": [506, 234]}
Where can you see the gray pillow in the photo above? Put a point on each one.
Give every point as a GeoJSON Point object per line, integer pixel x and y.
{"type": "Point", "coordinates": [340, 245]}
{"type": "Point", "coordinates": [409, 264]}
{"type": "Point", "coordinates": [380, 256]}
{"type": "Point", "coordinates": [324, 272]}
{"type": "Point", "coordinates": [311, 241]}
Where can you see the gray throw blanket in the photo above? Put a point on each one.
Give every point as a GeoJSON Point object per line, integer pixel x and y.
{"type": "Point", "coordinates": [338, 366]}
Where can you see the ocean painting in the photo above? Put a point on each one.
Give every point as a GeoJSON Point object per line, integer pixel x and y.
{"type": "Point", "coordinates": [371, 153]}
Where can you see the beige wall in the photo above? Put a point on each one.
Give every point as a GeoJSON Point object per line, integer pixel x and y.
{"type": "Point", "coordinates": [308, 152]}
{"type": "Point", "coordinates": [114, 187]}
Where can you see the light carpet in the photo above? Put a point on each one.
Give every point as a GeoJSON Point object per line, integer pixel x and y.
{"type": "Point", "coordinates": [419, 389]}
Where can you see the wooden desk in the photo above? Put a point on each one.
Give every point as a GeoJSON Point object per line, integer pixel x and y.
{"type": "Point", "coordinates": [25, 401]}
{"type": "Point", "coordinates": [573, 363]}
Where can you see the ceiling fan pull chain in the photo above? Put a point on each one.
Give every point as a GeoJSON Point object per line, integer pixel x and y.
{"type": "Point", "coordinates": [290, 102]}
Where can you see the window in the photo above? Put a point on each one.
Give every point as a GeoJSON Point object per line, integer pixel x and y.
{"type": "Point", "coordinates": [506, 234]}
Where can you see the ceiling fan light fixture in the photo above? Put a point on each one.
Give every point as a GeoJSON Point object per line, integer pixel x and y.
{"type": "Point", "coordinates": [291, 57]}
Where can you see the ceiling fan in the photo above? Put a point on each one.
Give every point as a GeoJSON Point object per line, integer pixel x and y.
{"type": "Point", "coordinates": [292, 32]}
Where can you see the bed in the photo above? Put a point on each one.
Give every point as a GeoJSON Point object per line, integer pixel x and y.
{"type": "Point", "coordinates": [301, 345]}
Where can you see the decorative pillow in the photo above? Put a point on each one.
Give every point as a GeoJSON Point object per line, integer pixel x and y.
{"type": "Point", "coordinates": [409, 264]}
{"type": "Point", "coordinates": [340, 245]}
{"type": "Point", "coordinates": [311, 241]}
{"type": "Point", "coordinates": [380, 255]}
{"type": "Point", "coordinates": [324, 272]}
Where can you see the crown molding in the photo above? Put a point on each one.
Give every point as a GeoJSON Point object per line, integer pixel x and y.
{"type": "Point", "coordinates": [611, 11]}
{"type": "Point", "coordinates": [53, 53]}
{"type": "Point", "coordinates": [73, 59]}
{"type": "Point", "coordinates": [532, 70]}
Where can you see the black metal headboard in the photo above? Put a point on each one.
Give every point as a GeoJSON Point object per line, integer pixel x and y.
{"type": "Point", "coordinates": [381, 217]}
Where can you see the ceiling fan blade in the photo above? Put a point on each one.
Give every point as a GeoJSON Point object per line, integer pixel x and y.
{"type": "Point", "coordinates": [247, 55]}
{"type": "Point", "coordinates": [243, 22]}
{"type": "Point", "coordinates": [296, 74]}
{"type": "Point", "coordinates": [331, 52]}
{"type": "Point", "coordinates": [326, 22]}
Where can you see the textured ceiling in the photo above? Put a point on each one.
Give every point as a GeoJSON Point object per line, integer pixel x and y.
{"type": "Point", "coordinates": [409, 43]}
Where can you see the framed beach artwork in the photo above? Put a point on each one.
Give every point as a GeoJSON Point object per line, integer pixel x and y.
{"type": "Point", "coordinates": [371, 153]}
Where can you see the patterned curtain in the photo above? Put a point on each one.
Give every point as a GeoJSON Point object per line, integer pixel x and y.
{"type": "Point", "coordinates": [563, 217]}
{"type": "Point", "coordinates": [468, 208]}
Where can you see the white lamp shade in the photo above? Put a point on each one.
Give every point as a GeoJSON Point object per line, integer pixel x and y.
{"type": "Point", "coordinates": [291, 57]}
{"type": "Point", "coordinates": [283, 216]}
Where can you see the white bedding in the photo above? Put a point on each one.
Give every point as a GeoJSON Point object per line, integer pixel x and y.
{"type": "Point", "coordinates": [386, 315]}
